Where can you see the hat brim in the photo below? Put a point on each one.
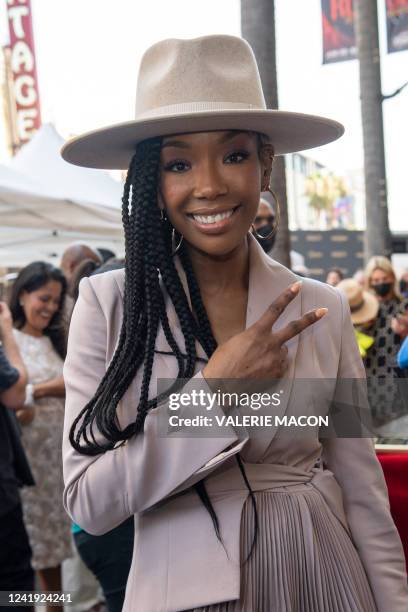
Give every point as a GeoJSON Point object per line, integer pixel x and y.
{"type": "Point", "coordinates": [368, 311]}
{"type": "Point", "coordinates": [113, 147]}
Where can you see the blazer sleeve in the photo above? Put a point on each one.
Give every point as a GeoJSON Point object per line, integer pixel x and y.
{"type": "Point", "coordinates": [358, 471]}
{"type": "Point", "coordinates": [102, 491]}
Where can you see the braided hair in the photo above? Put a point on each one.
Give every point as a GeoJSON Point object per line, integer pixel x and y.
{"type": "Point", "coordinates": [148, 241]}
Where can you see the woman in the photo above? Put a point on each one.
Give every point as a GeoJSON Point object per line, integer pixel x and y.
{"type": "Point", "coordinates": [36, 304]}
{"type": "Point", "coordinates": [107, 556]}
{"type": "Point", "coordinates": [229, 520]}
{"type": "Point", "coordinates": [381, 365]}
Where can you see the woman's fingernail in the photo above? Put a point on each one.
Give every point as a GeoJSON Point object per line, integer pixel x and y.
{"type": "Point", "coordinates": [320, 312]}
{"type": "Point", "coordinates": [296, 286]}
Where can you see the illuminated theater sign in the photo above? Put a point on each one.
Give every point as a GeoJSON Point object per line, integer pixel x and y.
{"type": "Point", "coordinates": [23, 69]}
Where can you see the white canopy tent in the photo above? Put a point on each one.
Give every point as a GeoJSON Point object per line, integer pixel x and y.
{"type": "Point", "coordinates": [47, 204]}
{"type": "Point", "coordinates": [40, 160]}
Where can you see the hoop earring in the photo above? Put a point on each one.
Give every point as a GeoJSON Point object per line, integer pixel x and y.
{"type": "Point", "coordinates": [277, 217]}
{"type": "Point", "coordinates": [173, 236]}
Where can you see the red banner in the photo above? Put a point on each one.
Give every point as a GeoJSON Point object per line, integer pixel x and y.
{"type": "Point", "coordinates": [339, 41]}
{"type": "Point", "coordinates": [397, 25]}
{"type": "Point", "coordinates": [23, 69]}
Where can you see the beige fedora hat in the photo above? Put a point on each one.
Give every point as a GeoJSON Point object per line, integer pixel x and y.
{"type": "Point", "coordinates": [363, 305]}
{"type": "Point", "coordinates": [201, 84]}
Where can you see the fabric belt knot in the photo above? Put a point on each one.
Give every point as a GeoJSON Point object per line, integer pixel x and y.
{"type": "Point", "coordinates": [276, 478]}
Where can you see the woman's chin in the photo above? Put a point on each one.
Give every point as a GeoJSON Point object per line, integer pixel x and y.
{"type": "Point", "coordinates": [218, 246]}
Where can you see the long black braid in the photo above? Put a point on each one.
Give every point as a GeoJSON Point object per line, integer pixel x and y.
{"type": "Point", "coordinates": [148, 242]}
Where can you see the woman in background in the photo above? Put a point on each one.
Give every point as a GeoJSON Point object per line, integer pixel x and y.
{"type": "Point", "coordinates": [36, 304]}
{"type": "Point", "coordinates": [381, 364]}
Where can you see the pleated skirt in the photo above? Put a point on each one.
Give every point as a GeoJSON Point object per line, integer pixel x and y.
{"type": "Point", "coordinates": [303, 561]}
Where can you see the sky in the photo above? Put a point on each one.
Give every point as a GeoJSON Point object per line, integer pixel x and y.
{"type": "Point", "coordinates": [88, 53]}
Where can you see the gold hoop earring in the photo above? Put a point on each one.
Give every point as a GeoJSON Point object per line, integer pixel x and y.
{"type": "Point", "coordinates": [277, 217]}
{"type": "Point", "coordinates": [173, 236]}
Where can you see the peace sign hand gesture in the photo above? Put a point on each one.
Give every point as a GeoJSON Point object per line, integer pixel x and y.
{"type": "Point", "coordinates": [258, 352]}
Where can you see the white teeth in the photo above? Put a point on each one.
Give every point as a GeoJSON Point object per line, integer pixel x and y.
{"type": "Point", "coordinates": [208, 219]}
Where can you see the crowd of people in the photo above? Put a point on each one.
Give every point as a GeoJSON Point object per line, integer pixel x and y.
{"type": "Point", "coordinates": [34, 327]}
{"type": "Point", "coordinates": [37, 535]}
{"type": "Point", "coordinates": [378, 301]}
{"type": "Point", "coordinates": [230, 523]}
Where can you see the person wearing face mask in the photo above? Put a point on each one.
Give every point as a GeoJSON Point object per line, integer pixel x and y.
{"type": "Point", "coordinates": [381, 365]}
{"type": "Point", "coordinates": [264, 225]}
{"type": "Point", "coordinates": [264, 228]}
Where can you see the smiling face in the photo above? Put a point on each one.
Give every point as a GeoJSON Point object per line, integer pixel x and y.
{"type": "Point", "coordinates": [40, 306]}
{"type": "Point", "coordinates": [210, 185]}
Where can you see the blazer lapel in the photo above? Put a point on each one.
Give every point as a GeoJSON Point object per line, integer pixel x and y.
{"type": "Point", "coordinates": [267, 280]}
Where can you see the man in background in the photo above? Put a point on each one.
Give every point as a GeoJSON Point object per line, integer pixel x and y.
{"type": "Point", "coordinates": [263, 230]}
{"type": "Point", "coordinates": [73, 257]}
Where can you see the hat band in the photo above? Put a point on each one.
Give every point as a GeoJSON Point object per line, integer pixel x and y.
{"type": "Point", "coordinates": [357, 306]}
{"type": "Point", "coordinates": [196, 107]}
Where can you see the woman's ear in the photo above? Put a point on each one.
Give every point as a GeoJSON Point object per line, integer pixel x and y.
{"type": "Point", "coordinates": [266, 155]}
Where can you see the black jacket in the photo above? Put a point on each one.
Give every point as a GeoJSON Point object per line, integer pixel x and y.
{"type": "Point", "coordinates": [14, 468]}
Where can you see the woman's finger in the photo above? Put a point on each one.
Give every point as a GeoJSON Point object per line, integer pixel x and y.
{"type": "Point", "coordinates": [295, 327]}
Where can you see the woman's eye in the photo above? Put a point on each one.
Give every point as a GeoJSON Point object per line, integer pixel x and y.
{"type": "Point", "coordinates": [177, 165]}
{"type": "Point", "coordinates": [237, 157]}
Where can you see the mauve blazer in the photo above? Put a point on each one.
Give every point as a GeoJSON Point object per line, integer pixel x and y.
{"type": "Point", "coordinates": [178, 563]}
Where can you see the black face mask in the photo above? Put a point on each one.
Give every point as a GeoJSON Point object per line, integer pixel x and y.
{"type": "Point", "coordinates": [403, 285]}
{"type": "Point", "coordinates": [266, 243]}
{"type": "Point", "coordinates": [382, 289]}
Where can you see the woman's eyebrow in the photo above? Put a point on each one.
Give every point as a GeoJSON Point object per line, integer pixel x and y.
{"type": "Point", "coordinates": [176, 143]}
{"type": "Point", "coordinates": [230, 135]}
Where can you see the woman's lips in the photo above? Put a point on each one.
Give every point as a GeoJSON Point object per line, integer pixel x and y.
{"type": "Point", "coordinates": [218, 227]}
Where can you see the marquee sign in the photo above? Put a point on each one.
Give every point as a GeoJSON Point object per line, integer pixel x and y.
{"type": "Point", "coordinates": [23, 69]}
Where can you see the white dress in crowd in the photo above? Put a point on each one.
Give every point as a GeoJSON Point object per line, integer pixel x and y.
{"type": "Point", "coordinates": [47, 524]}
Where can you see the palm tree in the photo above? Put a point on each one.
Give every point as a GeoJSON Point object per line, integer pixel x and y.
{"type": "Point", "coordinates": [377, 236]}
{"type": "Point", "coordinates": [320, 195]}
{"type": "Point", "coordinates": [323, 193]}
{"type": "Point", "coordinates": [258, 28]}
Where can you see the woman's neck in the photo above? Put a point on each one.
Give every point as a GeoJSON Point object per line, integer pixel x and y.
{"type": "Point", "coordinates": [228, 274]}
{"type": "Point", "coordinates": [30, 330]}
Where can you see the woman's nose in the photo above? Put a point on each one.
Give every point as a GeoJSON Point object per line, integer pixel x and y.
{"type": "Point", "coordinates": [209, 183]}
